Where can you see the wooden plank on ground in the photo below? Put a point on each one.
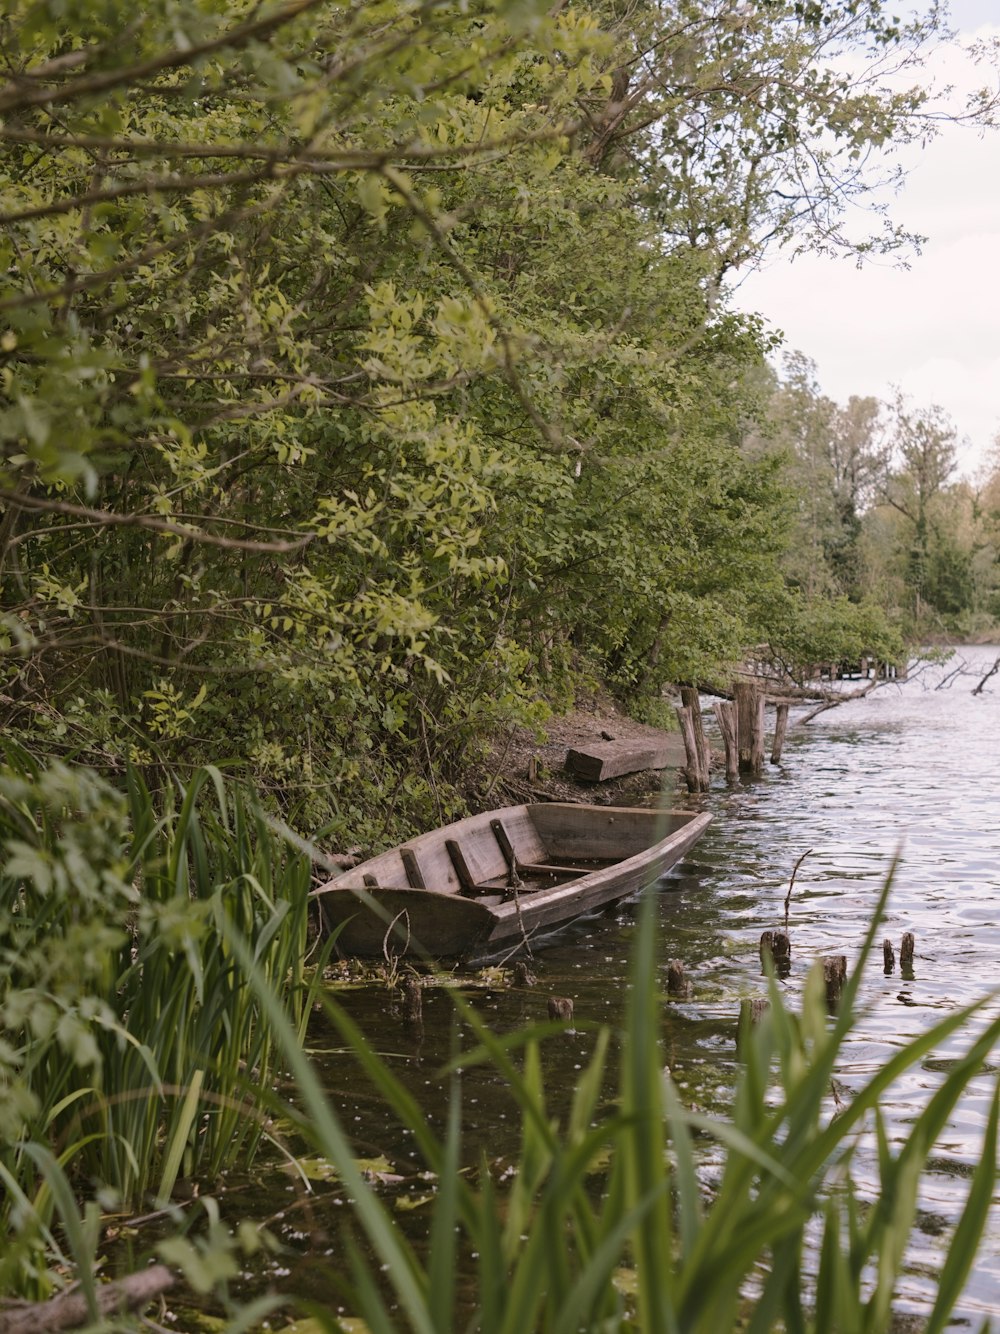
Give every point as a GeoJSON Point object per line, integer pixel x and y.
{"type": "Point", "coordinates": [601, 760]}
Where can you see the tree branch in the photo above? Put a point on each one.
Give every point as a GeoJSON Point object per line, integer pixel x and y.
{"type": "Point", "coordinates": [106, 519]}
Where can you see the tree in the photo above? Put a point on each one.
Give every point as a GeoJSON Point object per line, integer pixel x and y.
{"type": "Point", "coordinates": [768, 124]}
{"type": "Point", "coordinates": [838, 455]}
{"type": "Point", "coordinates": [325, 440]}
{"type": "Point", "coordinates": [924, 457]}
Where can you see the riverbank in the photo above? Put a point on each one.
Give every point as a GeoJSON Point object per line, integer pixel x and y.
{"type": "Point", "coordinates": [524, 768]}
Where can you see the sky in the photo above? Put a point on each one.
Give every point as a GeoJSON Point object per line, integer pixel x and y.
{"type": "Point", "coordinates": [931, 330]}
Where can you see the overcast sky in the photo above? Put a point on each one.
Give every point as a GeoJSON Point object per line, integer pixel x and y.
{"type": "Point", "coordinates": [933, 330]}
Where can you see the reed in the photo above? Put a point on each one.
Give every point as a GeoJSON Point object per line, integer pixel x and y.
{"type": "Point", "coordinates": [153, 974]}
{"type": "Point", "coordinates": [781, 1242]}
{"type": "Point", "coordinates": [130, 1039]}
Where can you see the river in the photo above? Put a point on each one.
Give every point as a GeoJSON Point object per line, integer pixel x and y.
{"type": "Point", "coordinates": [912, 769]}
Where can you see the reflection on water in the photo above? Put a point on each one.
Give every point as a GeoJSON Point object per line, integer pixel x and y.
{"type": "Point", "coordinates": [909, 771]}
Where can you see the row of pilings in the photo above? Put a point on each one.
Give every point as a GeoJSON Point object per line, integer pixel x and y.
{"type": "Point", "coordinates": [742, 724]}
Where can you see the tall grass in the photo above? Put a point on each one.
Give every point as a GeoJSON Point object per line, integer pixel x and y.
{"type": "Point", "coordinates": [781, 1241]}
{"type": "Point", "coordinates": [152, 977]}
{"type": "Point", "coordinates": [130, 1039]}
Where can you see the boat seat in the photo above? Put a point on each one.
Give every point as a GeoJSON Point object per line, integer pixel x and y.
{"type": "Point", "coordinates": [466, 880]}
{"type": "Point", "coordinates": [414, 876]}
{"type": "Point", "coordinates": [515, 863]}
{"type": "Point", "coordinates": [470, 887]}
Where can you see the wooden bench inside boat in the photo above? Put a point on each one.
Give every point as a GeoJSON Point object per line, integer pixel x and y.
{"type": "Point", "coordinates": [524, 876]}
{"type": "Point", "coordinates": [543, 848]}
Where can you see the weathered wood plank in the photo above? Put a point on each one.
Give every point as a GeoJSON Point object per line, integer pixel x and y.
{"type": "Point", "coordinates": [610, 759]}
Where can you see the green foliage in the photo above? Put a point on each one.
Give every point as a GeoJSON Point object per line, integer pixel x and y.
{"type": "Point", "coordinates": [803, 633]}
{"type": "Point", "coordinates": [326, 443]}
{"type": "Point", "coordinates": [129, 1036]}
{"type": "Point", "coordinates": [652, 1251]}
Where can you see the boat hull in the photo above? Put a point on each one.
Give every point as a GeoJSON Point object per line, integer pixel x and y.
{"type": "Point", "coordinates": [569, 860]}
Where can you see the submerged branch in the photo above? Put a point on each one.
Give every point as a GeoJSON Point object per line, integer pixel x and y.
{"type": "Point", "coordinates": [992, 672]}
{"type": "Point", "coordinates": [69, 1310]}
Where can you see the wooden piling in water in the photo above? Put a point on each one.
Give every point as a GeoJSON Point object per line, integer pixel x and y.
{"type": "Point", "coordinates": [780, 728]}
{"type": "Point", "coordinates": [725, 713]}
{"type": "Point", "coordinates": [749, 726]}
{"type": "Point", "coordinates": [692, 700]}
{"type": "Point", "coordinates": [834, 975]}
{"type": "Point", "coordinates": [888, 956]}
{"type": "Point", "coordinates": [696, 780]}
{"type": "Point", "coordinates": [678, 983]}
{"type": "Point", "coordinates": [413, 999]}
{"type": "Point", "coordinates": [752, 1011]}
{"type": "Point", "coordinates": [906, 949]}
{"type": "Point", "coordinates": [776, 946]}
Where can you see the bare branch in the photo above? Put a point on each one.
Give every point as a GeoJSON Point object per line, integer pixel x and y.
{"type": "Point", "coordinates": [106, 519]}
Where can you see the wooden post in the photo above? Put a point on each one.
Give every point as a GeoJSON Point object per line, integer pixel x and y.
{"type": "Point", "coordinates": [757, 743]}
{"type": "Point", "coordinates": [690, 747]}
{"type": "Point", "coordinates": [749, 726]}
{"type": "Point", "coordinates": [888, 956]}
{"type": "Point", "coordinates": [696, 778]}
{"type": "Point", "coordinates": [906, 948]}
{"type": "Point", "coordinates": [776, 946]}
{"type": "Point", "coordinates": [752, 1012]}
{"type": "Point", "coordinates": [834, 975]}
{"type": "Point", "coordinates": [678, 983]}
{"type": "Point", "coordinates": [725, 713]}
{"type": "Point", "coordinates": [692, 700]}
{"type": "Point", "coordinates": [413, 999]}
{"type": "Point", "coordinates": [780, 728]}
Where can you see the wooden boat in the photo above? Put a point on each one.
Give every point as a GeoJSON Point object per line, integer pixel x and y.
{"type": "Point", "coordinates": [479, 887]}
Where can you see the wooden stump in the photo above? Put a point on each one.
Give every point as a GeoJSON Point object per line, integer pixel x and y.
{"type": "Point", "coordinates": [694, 775]}
{"type": "Point", "coordinates": [752, 1011]}
{"type": "Point", "coordinates": [780, 728]}
{"type": "Point", "coordinates": [413, 999]}
{"type": "Point", "coordinates": [678, 983]}
{"type": "Point", "coordinates": [523, 976]}
{"type": "Point", "coordinates": [725, 713]}
{"type": "Point", "coordinates": [888, 956]}
{"type": "Point", "coordinates": [906, 949]}
{"type": "Point", "coordinates": [834, 975]}
{"type": "Point", "coordinates": [749, 726]}
{"type": "Point", "coordinates": [776, 946]}
{"type": "Point", "coordinates": [692, 700]}
{"type": "Point", "coordinates": [775, 943]}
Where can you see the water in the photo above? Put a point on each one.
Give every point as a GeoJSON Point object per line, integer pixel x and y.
{"type": "Point", "coordinates": [911, 770]}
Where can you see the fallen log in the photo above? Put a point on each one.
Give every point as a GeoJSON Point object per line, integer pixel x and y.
{"type": "Point", "coordinates": [70, 1309]}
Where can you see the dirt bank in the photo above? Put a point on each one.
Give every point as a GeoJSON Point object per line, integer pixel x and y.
{"type": "Point", "coordinates": [524, 769]}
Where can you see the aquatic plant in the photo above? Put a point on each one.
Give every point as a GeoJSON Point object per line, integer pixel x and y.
{"type": "Point", "coordinates": [132, 1049]}
{"type": "Point", "coordinates": [152, 973]}
{"type": "Point", "coordinates": [780, 1240]}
